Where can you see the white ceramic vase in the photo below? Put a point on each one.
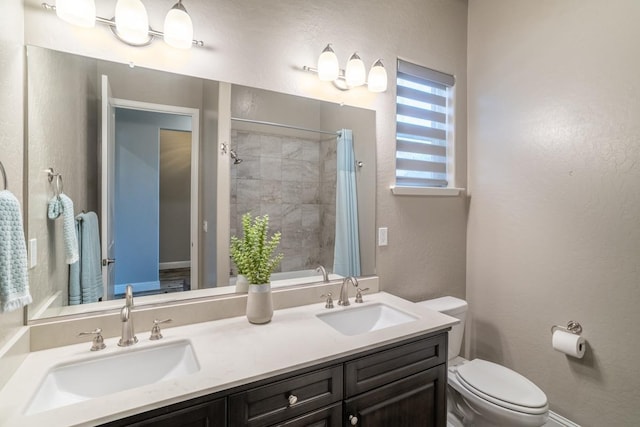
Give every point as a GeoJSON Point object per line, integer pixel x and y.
{"type": "Point", "coordinates": [242, 284]}
{"type": "Point", "coordinates": [259, 304]}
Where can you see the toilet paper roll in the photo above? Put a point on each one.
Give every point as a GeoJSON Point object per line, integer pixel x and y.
{"type": "Point", "coordinates": [570, 344]}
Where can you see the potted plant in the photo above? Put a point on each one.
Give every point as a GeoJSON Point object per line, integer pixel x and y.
{"type": "Point", "coordinates": [255, 259]}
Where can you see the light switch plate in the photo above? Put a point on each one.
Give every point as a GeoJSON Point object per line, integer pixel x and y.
{"type": "Point", "coordinates": [33, 252]}
{"type": "Point", "coordinates": [383, 236]}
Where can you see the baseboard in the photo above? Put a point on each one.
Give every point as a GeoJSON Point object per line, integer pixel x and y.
{"type": "Point", "coordinates": [556, 420]}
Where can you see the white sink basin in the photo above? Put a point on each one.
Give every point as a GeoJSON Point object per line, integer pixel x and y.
{"type": "Point", "coordinates": [359, 320]}
{"type": "Point", "coordinates": [93, 377]}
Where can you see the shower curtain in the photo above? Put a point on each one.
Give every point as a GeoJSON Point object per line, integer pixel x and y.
{"type": "Point", "coordinates": [346, 259]}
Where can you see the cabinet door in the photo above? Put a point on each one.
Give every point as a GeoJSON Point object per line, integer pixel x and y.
{"type": "Point", "coordinates": [327, 417]}
{"type": "Point", "coordinates": [416, 401]}
{"type": "Point", "coordinates": [210, 414]}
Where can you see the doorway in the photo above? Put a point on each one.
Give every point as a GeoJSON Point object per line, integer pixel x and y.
{"type": "Point", "coordinates": [155, 199]}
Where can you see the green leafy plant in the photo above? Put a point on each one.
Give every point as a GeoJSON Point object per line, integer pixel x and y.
{"type": "Point", "coordinates": [253, 254]}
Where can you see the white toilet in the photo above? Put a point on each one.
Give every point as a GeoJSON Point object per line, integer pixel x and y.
{"type": "Point", "coordinates": [482, 393]}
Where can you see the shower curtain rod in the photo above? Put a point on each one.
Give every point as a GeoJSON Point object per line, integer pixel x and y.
{"type": "Point", "coordinates": [260, 122]}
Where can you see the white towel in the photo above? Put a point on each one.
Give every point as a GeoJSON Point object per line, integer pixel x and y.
{"type": "Point", "coordinates": [14, 281]}
{"type": "Point", "coordinates": [63, 205]}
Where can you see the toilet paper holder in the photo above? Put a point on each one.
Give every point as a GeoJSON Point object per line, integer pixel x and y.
{"type": "Point", "coordinates": [572, 326]}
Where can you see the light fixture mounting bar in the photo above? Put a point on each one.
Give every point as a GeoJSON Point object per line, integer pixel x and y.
{"type": "Point", "coordinates": [112, 24]}
{"type": "Point", "coordinates": [340, 82]}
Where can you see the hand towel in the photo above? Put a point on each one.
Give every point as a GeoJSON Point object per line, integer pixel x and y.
{"type": "Point", "coordinates": [14, 281]}
{"type": "Point", "coordinates": [85, 276]}
{"type": "Point", "coordinates": [63, 205]}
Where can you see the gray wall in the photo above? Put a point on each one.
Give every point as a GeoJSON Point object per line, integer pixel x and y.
{"type": "Point", "coordinates": [175, 196]}
{"type": "Point", "coordinates": [11, 120]}
{"type": "Point", "coordinates": [554, 231]}
{"type": "Point", "coordinates": [65, 91]}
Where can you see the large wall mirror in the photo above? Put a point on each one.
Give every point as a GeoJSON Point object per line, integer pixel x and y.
{"type": "Point", "coordinates": [139, 154]}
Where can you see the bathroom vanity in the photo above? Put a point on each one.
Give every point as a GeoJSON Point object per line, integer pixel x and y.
{"type": "Point", "coordinates": [403, 382]}
{"type": "Point", "coordinates": [297, 370]}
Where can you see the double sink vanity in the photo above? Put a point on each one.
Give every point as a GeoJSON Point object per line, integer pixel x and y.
{"type": "Point", "coordinates": [383, 359]}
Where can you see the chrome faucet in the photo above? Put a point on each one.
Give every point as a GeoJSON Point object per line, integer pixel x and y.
{"type": "Point", "coordinates": [128, 334]}
{"type": "Point", "coordinates": [325, 276]}
{"type": "Point", "coordinates": [344, 290]}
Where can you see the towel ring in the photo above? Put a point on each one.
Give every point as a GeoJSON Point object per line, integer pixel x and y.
{"type": "Point", "coordinates": [4, 177]}
{"type": "Point", "coordinates": [59, 185]}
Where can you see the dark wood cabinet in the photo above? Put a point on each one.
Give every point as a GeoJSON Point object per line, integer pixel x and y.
{"type": "Point", "coordinates": [400, 385]}
{"type": "Point", "coordinates": [416, 401]}
{"type": "Point", "coordinates": [403, 386]}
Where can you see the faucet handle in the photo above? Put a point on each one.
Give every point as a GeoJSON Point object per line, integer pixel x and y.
{"type": "Point", "coordinates": [98, 340]}
{"type": "Point", "coordinates": [359, 294]}
{"type": "Point", "coordinates": [329, 302]}
{"type": "Point", "coordinates": [155, 331]}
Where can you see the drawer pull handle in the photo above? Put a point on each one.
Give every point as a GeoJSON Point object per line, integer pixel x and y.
{"type": "Point", "coordinates": [293, 399]}
{"type": "Point", "coordinates": [353, 420]}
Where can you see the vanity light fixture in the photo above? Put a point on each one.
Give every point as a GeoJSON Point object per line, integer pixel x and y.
{"type": "Point", "coordinates": [77, 12]}
{"type": "Point", "coordinates": [178, 28]}
{"type": "Point", "coordinates": [131, 22]}
{"type": "Point", "coordinates": [354, 75]}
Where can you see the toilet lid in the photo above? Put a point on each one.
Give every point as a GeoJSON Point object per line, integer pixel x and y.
{"type": "Point", "coordinates": [502, 386]}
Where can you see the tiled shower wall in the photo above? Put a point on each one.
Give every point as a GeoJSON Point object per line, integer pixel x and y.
{"type": "Point", "coordinates": [293, 181]}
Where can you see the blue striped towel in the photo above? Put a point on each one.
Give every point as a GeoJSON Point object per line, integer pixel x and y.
{"type": "Point", "coordinates": [14, 281]}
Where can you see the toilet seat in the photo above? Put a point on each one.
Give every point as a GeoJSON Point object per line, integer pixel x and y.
{"type": "Point", "coordinates": [501, 386]}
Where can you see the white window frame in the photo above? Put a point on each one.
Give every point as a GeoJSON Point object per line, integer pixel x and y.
{"type": "Point", "coordinates": [424, 73]}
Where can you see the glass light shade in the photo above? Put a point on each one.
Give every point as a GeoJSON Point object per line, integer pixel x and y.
{"type": "Point", "coordinates": [377, 77]}
{"type": "Point", "coordinates": [132, 22]}
{"type": "Point", "coordinates": [178, 28]}
{"type": "Point", "coordinates": [355, 73]}
{"type": "Point", "coordinates": [77, 12]}
{"type": "Point", "coordinates": [328, 67]}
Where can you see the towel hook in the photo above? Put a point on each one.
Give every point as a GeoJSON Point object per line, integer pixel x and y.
{"type": "Point", "coordinates": [4, 176]}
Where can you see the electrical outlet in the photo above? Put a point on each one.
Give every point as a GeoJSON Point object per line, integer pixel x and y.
{"type": "Point", "coordinates": [383, 236]}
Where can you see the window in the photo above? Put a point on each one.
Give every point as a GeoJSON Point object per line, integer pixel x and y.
{"type": "Point", "coordinates": [423, 127]}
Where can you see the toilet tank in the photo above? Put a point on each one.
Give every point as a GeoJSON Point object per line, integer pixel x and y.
{"type": "Point", "coordinates": [454, 307]}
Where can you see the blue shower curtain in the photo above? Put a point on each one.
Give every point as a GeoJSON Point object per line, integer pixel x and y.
{"type": "Point", "coordinates": [346, 259]}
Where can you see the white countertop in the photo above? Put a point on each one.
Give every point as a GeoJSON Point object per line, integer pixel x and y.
{"type": "Point", "coordinates": [231, 352]}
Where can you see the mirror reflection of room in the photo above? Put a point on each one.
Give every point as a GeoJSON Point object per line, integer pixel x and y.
{"type": "Point", "coordinates": [157, 200]}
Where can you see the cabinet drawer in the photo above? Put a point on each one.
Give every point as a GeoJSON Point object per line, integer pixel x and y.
{"type": "Point", "coordinates": [269, 404]}
{"type": "Point", "coordinates": [381, 368]}
{"type": "Point", "coordinates": [326, 417]}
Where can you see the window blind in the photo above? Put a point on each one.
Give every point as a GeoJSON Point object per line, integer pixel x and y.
{"type": "Point", "coordinates": [423, 97]}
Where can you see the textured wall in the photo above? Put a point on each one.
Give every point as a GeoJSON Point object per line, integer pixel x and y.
{"type": "Point", "coordinates": [554, 175]}
{"type": "Point", "coordinates": [265, 46]}
{"type": "Point", "coordinates": [69, 149]}
{"type": "Point", "coordinates": [11, 120]}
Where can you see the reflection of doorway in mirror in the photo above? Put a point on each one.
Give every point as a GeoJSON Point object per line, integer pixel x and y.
{"type": "Point", "coordinates": [152, 201]}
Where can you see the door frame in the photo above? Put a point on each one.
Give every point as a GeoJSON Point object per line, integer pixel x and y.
{"type": "Point", "coordinates": [194, 113]}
